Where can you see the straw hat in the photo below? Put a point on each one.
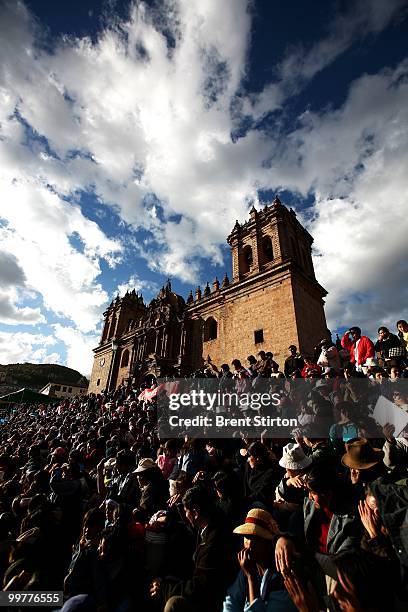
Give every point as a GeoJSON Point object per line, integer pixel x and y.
{"type": "Point", "coordinates": [259, 523]}
{"type": "Point", "coordinates": [31, 536]}
{"type": "Point", "coordinates": [361, 455]}
{"type": "Point", "coordinates": [294, 457]}
{"type": "Point", "coordinates": [145, 464]}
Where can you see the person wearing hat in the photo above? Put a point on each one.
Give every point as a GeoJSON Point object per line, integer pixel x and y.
{"type": "Point", "coordinates": [291, 488]}
{"type": "Point", "coordinates": [360, 347]}
{"type": "Point", "coordinates": [213, 570]}
{"type": "Point", "coordinates": [323, 386]}
{"type": "Point", "coordinates": [364, 462]}
{"type": "Point", "coordinates": [123, 487]}
{"type": "Point", "coordinates": [330, 522]}
{"type": "Point", "coordinates": [258, 585]}
{"type": "Point", "coordinates": [153, 486]}
{"type": "Point", "coordinates": [329, 355]}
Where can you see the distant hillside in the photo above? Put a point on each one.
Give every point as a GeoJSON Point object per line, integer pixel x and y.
{"type": "Point", "coordinates": [36, 375]}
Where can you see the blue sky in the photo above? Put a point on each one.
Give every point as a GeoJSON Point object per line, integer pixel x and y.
{"type": "Point", "coordinates": [132, 135]}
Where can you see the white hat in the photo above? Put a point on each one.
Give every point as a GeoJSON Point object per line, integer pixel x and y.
{"type": "Point", "coordinates": [294, 458]}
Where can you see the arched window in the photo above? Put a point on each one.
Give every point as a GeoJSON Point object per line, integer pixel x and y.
{"type": "Point", "coordinates": [246, 259]}
{"type": "Point", "coordinates": [267, 248]}
{"type": "Point", "coordinates": [125, 359]}
{"type": "Point", "coordinates": [210, 329]}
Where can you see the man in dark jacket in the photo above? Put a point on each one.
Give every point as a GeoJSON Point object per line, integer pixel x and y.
{"type": "Point", "coordinates": [387, 341]}
{"type": "Point", "coordinates": [213, 559]}
{"type": "Point", "coordinates": [294, 362]}
{"type": "Point", "coordinates": [330, 522]}
{"type": "Point", "coordinates": [318, 448]}
{"type": "Point", "coordinates": [262, 475]}
{"type": "Point", "coordinates": [66, 493]}
{"type": "Point", "coordinates": [123, 487]}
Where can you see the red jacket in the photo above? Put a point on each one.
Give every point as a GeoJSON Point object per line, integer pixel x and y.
{"type": "Point", "coordinates": [365, 349]}
{"type": "Point", "coordinates": [311, 367]}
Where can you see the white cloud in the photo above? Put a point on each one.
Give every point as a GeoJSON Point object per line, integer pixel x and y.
{"type": "Point", "coordinates": [11, 273]}
{"type": "Point", "coordinates": [12, 283]}
{"type": "Point", "coordinates": [39, 228]}
{"type": "Point", "coordinates": [41, 356]}
{"type": "Point", "coordinates": [11, 314]}
{"type": "Point", "coordinates": [355, 159]}
{"type": "Point", "coordinates": [158, 120]}
{"type": "Point", "coordinates": [79, 347]}
{"type": "Point", "coordinates": [165, 115]}
{"type": "Point", "coordinates": [22, 347]}
{"type": "Point", "coordinates": [126, 124]}
{"type": "Point", "coordinates": [138, 284]}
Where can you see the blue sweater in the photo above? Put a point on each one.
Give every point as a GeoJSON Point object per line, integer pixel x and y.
{"type": "Point", "coordinates": [270, 600]}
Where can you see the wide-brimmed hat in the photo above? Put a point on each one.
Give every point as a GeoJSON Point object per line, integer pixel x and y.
{"type": "Point", "coordinates": [110, 463]}
{"type": "Point", "coordinates": [31, 536]}
{"type": "Point", "coordinates": [145, 464]}
{"type": "Point", "coordinates": [370, 362]}
{"type": "Point", "coordinates": [294, 457]}
{"type": "Point", "coordinates": [259, 523]}
{"type": "Point", "coordinates": [322, 384]}
{"type": "Point", "coordinates": [361, 455]}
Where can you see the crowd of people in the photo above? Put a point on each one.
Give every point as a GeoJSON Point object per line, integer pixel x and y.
{"type": "Point", "coordinates": [94, 503]}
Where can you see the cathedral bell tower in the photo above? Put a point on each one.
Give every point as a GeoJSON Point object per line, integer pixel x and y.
{"type": "Point", "coordinates": [121, 315]}
{"type": "Point", "coordinates": [269, 238]}
{"type": "Point", "coordinates": [272, 301]}
{"type": "Point", "coordinates": [114, 357]}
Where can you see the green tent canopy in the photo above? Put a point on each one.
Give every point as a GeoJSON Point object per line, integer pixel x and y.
{"type": "Point", "coordinates": [27, 396]}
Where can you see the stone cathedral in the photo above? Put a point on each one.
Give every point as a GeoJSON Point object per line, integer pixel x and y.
{"type": "Point", "coordinates": [272, 300]}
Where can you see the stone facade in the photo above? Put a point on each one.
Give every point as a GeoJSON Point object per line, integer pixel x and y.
{"type": "Point", "coordinates": [272, 300]}
{"type": "Point", "coordinates": [137, 338]}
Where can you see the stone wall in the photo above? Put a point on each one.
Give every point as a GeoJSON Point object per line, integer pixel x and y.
{"type": "Point", "coordinates": [264, 304]}
{"type": "Point", "coordinates": [100, 371]}
{"type": "Point", "coordinates": [311, 320]}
